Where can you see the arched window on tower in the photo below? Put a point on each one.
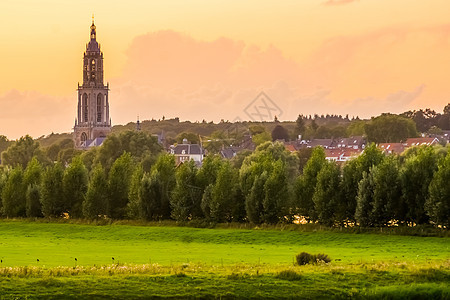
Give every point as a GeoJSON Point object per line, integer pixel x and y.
{"type": "Point", "coordinates": [83, 139]}
{"type": "Point", "coordinates": [99, 108]}
{"type": "Point", "coordinates": [85, 108]}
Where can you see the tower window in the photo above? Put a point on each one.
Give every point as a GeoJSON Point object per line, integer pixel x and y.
{"type": "Point", "coordinates": [99, 107]}
{"type": "Point", "coordinates": [85, 108]}
{"type": "Point", "coordinates": [83, 139]}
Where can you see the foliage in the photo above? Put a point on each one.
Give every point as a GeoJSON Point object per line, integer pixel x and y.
{"type": "Point", "coordinates": [96, 199]}
{"type": "Point", "coordinates": [75, 184]}
{"type": "Point", "coordinates": [22, 151]}
{"type": "Point", "coordinates": [389, 128]}
{"type": "Point", "coordinates": [13, 194]}
{"type": "Point", "coordinates": [437, 205]}
{"type": "Point", "coordinates": [261, 138]}
{"type": "Point", "coordinates": [165, 166]}
{"type": "Point", "coordinates": [277, 198]}
{"type": "Point", "coordinates": [280, 133]}
{"type": "Point", "coordinates": [305, 258]}
{"type": "Point", "coordinates": [364, 200]}
{"type": "Point", "coordinates": [150, 196]}
{"type": "Point", "coordinates": [326, 193]}
{"type": "Point", "coordinates": [33, 198]}
{"type": "Point", "coordinates": [386, 191]}
{"type": "Point", "coordinates": [138, 144]}
{"type": "Point", "coordinates": [300, 126]}
{"type": "Point", "coordinates": [416, 175]}
{"type": "Point", "coordinates": [306, 184]}
{"type": "Point", "coordinates": [187, 195]}
{"type": "Point", "coordinates": [119, 185]}
{"type": "Point", "coordinates": [52, 192]}
{"type": "Point", "coordinates": [134, 206]}
{"type": "Point", "coordinates": [32, 185]}
{"type": "Point", "coordinates": [223, 195]}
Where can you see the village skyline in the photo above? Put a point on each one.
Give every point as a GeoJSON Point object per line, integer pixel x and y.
{"type": "Point", "coordinates": [210, 60]}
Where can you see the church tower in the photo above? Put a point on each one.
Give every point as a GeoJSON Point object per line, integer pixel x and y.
{"type": "Point", "coordinates": [93, 122]}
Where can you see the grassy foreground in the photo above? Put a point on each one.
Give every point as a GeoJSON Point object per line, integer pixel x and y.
{"type": "Point", "coordinates": [185, 262]}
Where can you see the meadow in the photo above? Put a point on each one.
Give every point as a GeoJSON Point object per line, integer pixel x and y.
{"type": "Point", "coordinates": [64, 260]}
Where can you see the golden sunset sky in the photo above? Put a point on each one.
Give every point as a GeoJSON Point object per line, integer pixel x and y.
{"type": "Point", "coordinates": [209, 59]}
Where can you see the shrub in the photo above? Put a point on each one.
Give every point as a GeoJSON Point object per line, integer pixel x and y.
{"type": "Point", "coordinates": [322, 258]}
{"type": "Point", "coordinates": [289, 275]}
{"type": "Point", "coordinates": [303, 258]}
{"type": "Point", "coordinates": [306, 258]}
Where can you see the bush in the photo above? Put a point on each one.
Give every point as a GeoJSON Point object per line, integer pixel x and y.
{"type": "Point", "coordinates": [303, 258]}
{"type": "Point", "coordinates": [289, 275]}
{"type": "Point", "coordinates": [322, 258]}
{"type": "Point", "coordinates": [306, 258]}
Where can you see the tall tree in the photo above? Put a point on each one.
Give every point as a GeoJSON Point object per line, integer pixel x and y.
{"type": "Point", "coordinates": [165, 166]}
{"type": "Point", "coordinates": [437, 205]}
{"type": "Point", "coordinates": [277, 198]}
{"type": "Point", "coordinates": [224, 193]}
{"type": "Point", "coordinates": [326, 194]}
{"type": "Point", "coordinates": [75, 184]}
{"type": "Point", "coordinates": [352, 174]}
{"type": "Point", "coordinates": [150, 196]}
{"type": "Point", "coordinates": [306, 184]}
{"type": "Point", "coordinates": [416, 175]}
{"type": "Point", "coordinates": [32, 183]}
{"type": "Point", "coordinates": [364, 200]}
{"type": "Point", "coordinates": [187, 195]}
{"type": "Point", "coordinates": [13, 194]}
{"type": "Point", "coordinates": [96, 198]}
{"type": "Point", "coordinates": [386, 191]}
{"type": "Point", "coordinates": [253, 201]}
{"type": "Point", "coordinates": [119, 185]}
{"type": "Point", "coordinates": [280, 133]}
{"type": "Point", "coordinates": [300, 126]}
{"type": "Point", "coordinates": [52, 193]}
{"type": "Point", "coordinates": [134, 206]}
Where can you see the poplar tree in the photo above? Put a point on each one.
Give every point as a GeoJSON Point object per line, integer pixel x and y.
{"type": "Point", "coordinates": [119, 185]}
{"type": "Point", "coordinates": [326, 194]}
{"type": "Point", "coordinates": [75, 184]}
{"type": "Point", "coordinates": [96, 199]}
{"type": "Point", "coordinates": [13, 194]}
{"type": "Point", "coordinates": [438, 203]}
{"type": "Point", "coordinates": [52, 193]}
{"type": "Point", "coordinates": [306, 184]}
{"type": "Point", "coordinates": [32, 185]}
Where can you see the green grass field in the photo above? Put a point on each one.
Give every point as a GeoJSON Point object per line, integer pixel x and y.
{"type": "Point", "coordinates": [184, 262]}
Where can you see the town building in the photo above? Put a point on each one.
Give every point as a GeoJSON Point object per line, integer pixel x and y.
{"type": "Point", "coordinates": [186, 152]}
{"type": "Point", "coordinates": [93, 122]}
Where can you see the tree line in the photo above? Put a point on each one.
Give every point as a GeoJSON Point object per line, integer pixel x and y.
{"type": "Point", "coordinates": [265, 186]}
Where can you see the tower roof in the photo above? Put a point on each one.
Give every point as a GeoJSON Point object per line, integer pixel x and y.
{"type": "Point", "coordinates": [93, 46]}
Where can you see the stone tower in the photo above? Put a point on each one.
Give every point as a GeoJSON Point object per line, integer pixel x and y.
{"type": "Point", "coordinates": [93, 122]}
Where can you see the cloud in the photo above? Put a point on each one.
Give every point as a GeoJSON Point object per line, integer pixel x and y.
{"type": "Point", "coordinates": [39, 114]}
{"type": "Point", "coordinates": [171, 74]}
{"type": "Point", "coordinates": [338, 2]}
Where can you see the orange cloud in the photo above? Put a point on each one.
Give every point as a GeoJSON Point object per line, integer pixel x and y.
{"type": "Point", "coordinates": [35, 114]}
{"type": "Point", "coordinates": [171, 74]}
{"type": "Point", "coordinates": [338, 2]}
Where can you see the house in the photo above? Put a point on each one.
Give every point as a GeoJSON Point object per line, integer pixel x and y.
{"type": "Point", "coordinates": [230, 152]}
{"type": "Point", "coordinates": [341, 155]}
{"type": "Point", "coordinates": [428, 141]}
{"type": "Point", "coordinates": [325, 143]}
{"type": "Point", "coordinates": [391, 148]}
{"type": "Point", "coordinates": [353, 142]}
{"type": "Point", "coordinates": [186, 151]}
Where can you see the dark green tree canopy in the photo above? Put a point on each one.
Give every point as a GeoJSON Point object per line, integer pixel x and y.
{"type": "Point", "coordinates": [389, 128]}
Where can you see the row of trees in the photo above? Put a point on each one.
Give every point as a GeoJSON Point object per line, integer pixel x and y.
{"type": "Point", "coordinates": [267, 187]}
